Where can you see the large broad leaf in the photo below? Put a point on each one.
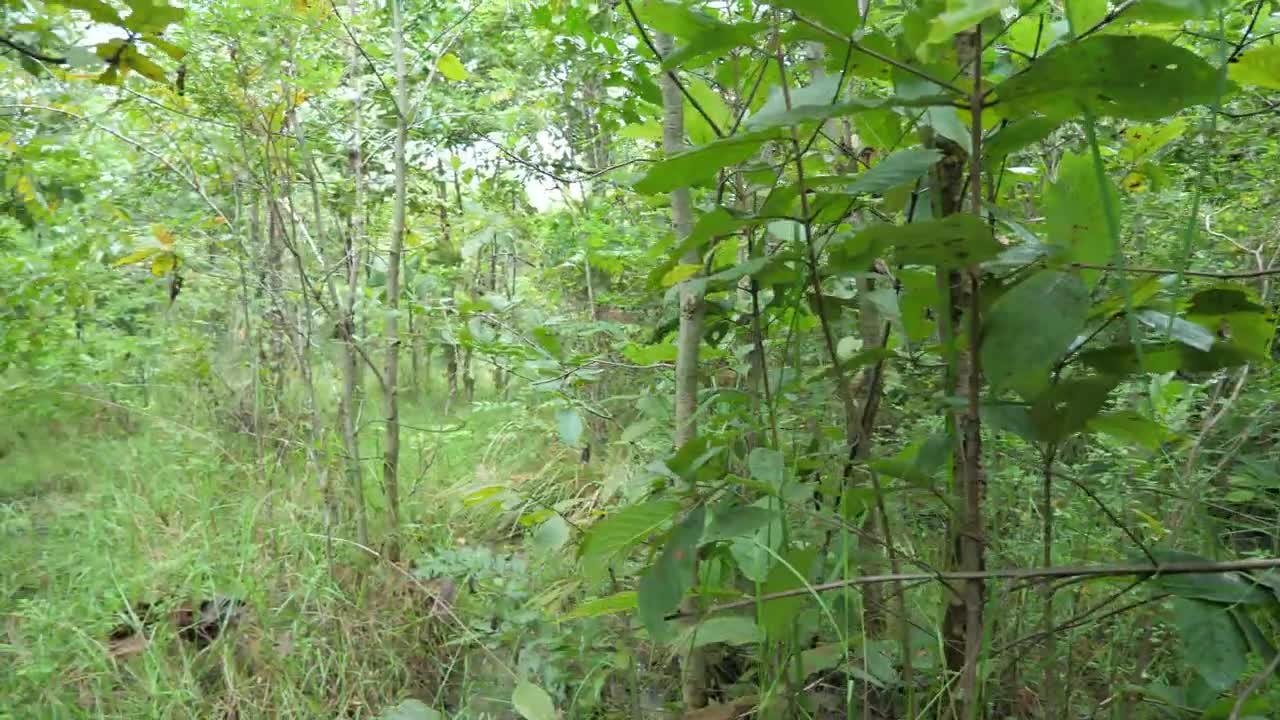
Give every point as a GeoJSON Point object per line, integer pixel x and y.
{"type": "Point", "coordinates": [700, 33]}
{"type": "Point", "coordinates": [821, 101]}
{"type": "Point", "coordinates": [1076, 216]}
{"type": "Point", "coordinates": [1260, 67]}
{"type": "Point", "coordinates": [954, 241]}
{"type": "Point", "coordinates": [728, 629]}
{"type": "Point", "coordinates": [1029, 327]}
{"type": "Point", "coordinates": [1067, 407]}
{"type": "Point", "coordinates": [1212, 643]}
{"type": "Point", "coordinates": [532, 702]}
{"type": "Point", "coordinates": [701, 163]}
{"type": "Point", "coordinates": [1226, 588]}
{"type": "Point", "coordinates": [151, 16]}
{"type": "Point", "coordinates": [1142, 141]}
{"type": "Point", "coordinates": [1233, 314]}
{"type": "Point", "coordinates": [794, 573]}
{"type": "Point", "coordinates": [551, 535]}
{"type": "Point", "coordinates": [622, 530]}
{"type": "Point", "coordinates": [841, 17]}
{"type": "Point", "coordinates": [1084, 14]}
{"type": "Point", "coordinates": [737, 521]}
{"type": "Point", "coordinates": [767, 466]}
{"type": "Point", "coordinates": [451, 68]}
{"type": "Point", "coordinates": [1016, 136]}
{"type": "Point", "coordinates": [1131, 427]}
{"type": "Point", "coordinates": [901, 167]}
{"type": "Point", "coordinates": [663, 585]}
{"type": "Point", "coordinates": [98, 10]}
{"type": "Point", "coordinates": [1133, 77]}
{"type": "Point", "coordinates": [1164, 358]}
{"type": "Point", "coordinates": [624, 601]}
{"type": "Point", "coordinates": [960, 15]}
{"type": "Point", "coordinates": [569, 421]}
{"type": "Point", "coordinates": [752, 552]}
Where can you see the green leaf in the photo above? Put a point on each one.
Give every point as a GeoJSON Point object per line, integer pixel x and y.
{"type": "Point", "coordinates": [1076, 217]}
{"type": "Point", "coordinates": [840, 17]}
{"type": "Point", "coordinates": [702, 34]}
{"type": "Point", "coordinates": [919, 462]}
{"type": "Point", "coordinates": [960, 15]}
{"type": "Point", "coordinates": [532, 702]}
{"type": "Point", "coordinates": [1084, 14]}
{"type": "Point", "coordinates": [736, 521]}
{"type": "Point", "coordinates": [767, 466]}
{"type": "Point", "coordinates": [1016, 136]}
{"type": "Point", "coordinates": [901, 167]}
{"type": "Point", "coordinates": [623, 529]}
{"type": "Point", "coordinates": [451, 68]}
{"type": "Point", "coordinates": [1131, 427]}
{"type": "Point", "coordinates": [1164, 358]}
{"type": "Point", "coordinates": [1029, 327]}
{"type": "Point", "coordinates": [699, 164]}
{"type": "Point", "coordinates": [412, 709]}
{"type": "Point", "coordinates": [728, 629]}
{"type": "Point", "coordinates": [815, 97]}
{"type": "Point", "coordinates": [144, 66]}
{"type": "Point", "coordinates": [1212, 643]}
{"type": "Point", "coordinates": [624, 601]}
{"type": "Point", "coordinates": [778, 614]}
{"type": "Point", "coordinates": [954, 241]}
{"type": "Point", "coordinates": [165, 46]}
{"type": "Point", "coordinates": [569, 421]}
{"type": "Point", "coordinates": [1259, 67]}
{"type": "Point", "coordinates": [98, 10]}
{"type": "Point", "coordinates": [1227, 588]}
{"type": "Point", "coordinates": [750, 553]}
{"type": "Point", "coordinates": [1066, 407]}
{"type": "Point", "coordinates": [1142, 141]}
{"type": "Point", "coordinates": [1172, 10]}
{"type": "Point", "coordinates": [151, 16]}
{"type": "Point", "coordinates": [551, 535]}
{"type": "Point", "coordinates": [663, 585]}
{"type": "Point", "coordinates": [1159, 80]}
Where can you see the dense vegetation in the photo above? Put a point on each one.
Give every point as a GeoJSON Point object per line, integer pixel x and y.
{"type": "Point", "coordinates": [639, 358]}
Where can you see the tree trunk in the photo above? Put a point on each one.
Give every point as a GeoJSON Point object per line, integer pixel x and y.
{"type": "Point", "coordinates": [347, 327]}
{"type": "Point", "coordinates": [689, 338]}
{"type": "Point", "coordinates": [391, 446]}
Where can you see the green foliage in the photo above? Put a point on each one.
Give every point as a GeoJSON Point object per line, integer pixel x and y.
{"type": "Point", "coordinates": [1020, 342]}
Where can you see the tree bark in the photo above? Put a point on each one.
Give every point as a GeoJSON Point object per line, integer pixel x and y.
{"type": "Point", "coordinates": [689, 338]}
{"type": "Point", "coordinates": [391, 414]}
{"type": "Point", "coordinates": [351, 257]}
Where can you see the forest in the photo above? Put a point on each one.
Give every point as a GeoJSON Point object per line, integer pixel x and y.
{"type": "Point", "coordinates": [644, 359]}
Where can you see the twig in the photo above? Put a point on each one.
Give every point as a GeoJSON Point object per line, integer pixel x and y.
{"type": "Point", "coordinates": [1080, 571]}
{"type": "Point", "coordinates": [1238, 275]}
{"type": "Point", "coordinates": [648, 41]}
{"type": "Point", "coordinates": [33, 54]}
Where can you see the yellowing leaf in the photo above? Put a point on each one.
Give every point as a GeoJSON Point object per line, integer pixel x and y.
{"type": "Point", "coordinates": [1259, 67]}
{"type": "Point", "coordinates": [163, 263]}
{"type": "Point", "coordinates": [162, 235]}
{"type": "Point", "coordinates": [136, 256]}
{"type": "Point", "coordinates": [451, 67]}
{"type": "Point", "coordinates": [680, 273]}
{"type": "Point", "coordinates": [1135, 182]}
{"type": "Point", "coordinates": [25, 188]}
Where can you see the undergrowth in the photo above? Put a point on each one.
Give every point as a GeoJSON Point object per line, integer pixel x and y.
{"type": "Point", "coordinates": [97, 522]}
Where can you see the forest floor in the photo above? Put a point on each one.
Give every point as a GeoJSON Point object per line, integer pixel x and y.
{"type": "Point", "coordinates": [128, 540]}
